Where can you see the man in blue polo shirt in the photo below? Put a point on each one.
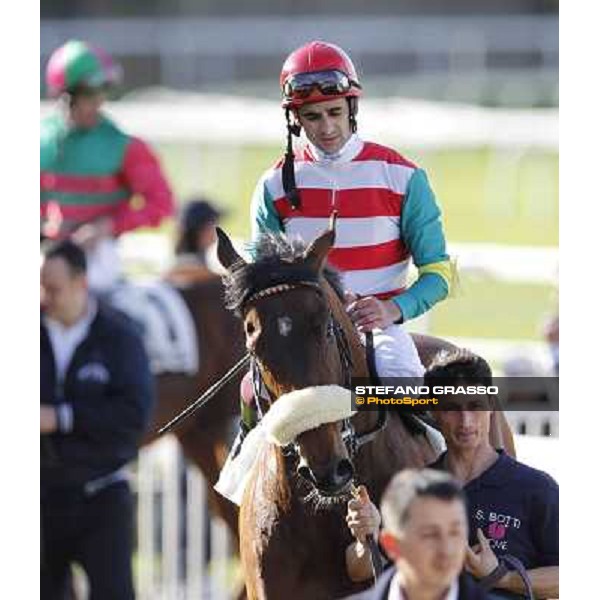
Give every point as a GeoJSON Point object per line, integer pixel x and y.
{"type": "Point", "coordinates": [513, 508]}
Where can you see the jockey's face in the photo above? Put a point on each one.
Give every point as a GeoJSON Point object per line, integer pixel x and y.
{"type": "Point", "coordinates": [466, 425]}
{"type": "Point", "coordinates": [429, 550]}
{"type": "Point", "coordinates": [64, 294]}
{"type": "Point", "coordinates": [326, 124]}
{"type": "Point", "coordinates": [84, 110]}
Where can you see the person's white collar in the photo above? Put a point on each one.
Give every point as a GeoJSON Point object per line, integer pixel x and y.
{"type": "Point", "coordinates": [396, 592]}
{"type": "Point", "coordinates": [346, 153]}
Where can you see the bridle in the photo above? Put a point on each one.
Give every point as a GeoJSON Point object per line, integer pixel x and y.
{"type": "Point", "coordinates": [352, 440]}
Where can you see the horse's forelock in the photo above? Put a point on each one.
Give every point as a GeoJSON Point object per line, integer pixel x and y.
{"type": "Point", "coordinates": [278, 259]}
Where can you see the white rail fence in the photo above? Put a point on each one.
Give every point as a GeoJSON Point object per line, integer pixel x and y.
{"type": "Point", "coordinates": [182, 552]}
{"type": "Point", "coordinates": [534, 423]}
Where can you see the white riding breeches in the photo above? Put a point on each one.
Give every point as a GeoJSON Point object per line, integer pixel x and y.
{"type": "Point", "coordinates": [395, 353]}
{"type": "Point", "coordinates": [103, 266]}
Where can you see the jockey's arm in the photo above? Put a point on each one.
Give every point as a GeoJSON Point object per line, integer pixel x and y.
{"type": "Point", "coordinates": [151, 199]}
{"type": "Point", "coordinates": [422, 231]}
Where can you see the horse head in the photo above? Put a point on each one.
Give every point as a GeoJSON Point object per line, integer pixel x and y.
{"type": "Point", "coordinates": [296, 330]}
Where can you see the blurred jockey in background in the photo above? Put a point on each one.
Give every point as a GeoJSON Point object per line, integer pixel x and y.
{"type": "Point", "coordinates": [97, 182]}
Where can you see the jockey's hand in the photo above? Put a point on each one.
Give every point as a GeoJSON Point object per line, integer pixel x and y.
{"type": "Point", "coordinates": [89, 234]}
{"type": "Point", "coordinates": [362, 517]}
{"type": "Point", "coordinates": [48, 419]}
{"type": "Point", "coordinates": [480, 560]}
{"type": "Point", "coordinates": [369, 313]}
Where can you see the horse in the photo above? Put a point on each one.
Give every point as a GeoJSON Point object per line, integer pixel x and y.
{"type": "Point", "coordinates": [293, 535]}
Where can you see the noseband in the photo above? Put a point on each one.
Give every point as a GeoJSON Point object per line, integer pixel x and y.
{"type": "Point", "coordinates": [351, 439]}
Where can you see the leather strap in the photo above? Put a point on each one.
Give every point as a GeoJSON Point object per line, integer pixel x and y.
{"type": "Point", "coordinates": [492, 578]}
{"type": "Point", "coordinates": [514, 562]}
{"type": "Point", "coordinates": [370, 351]}
{"type": "Point", "coordinates": [500, 571]}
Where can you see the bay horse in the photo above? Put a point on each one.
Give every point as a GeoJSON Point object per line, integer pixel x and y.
{"type": "Point", "coordinates": [293, 534]}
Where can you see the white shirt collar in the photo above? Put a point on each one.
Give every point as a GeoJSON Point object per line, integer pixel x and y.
{"type": "Point", "coordinates": [83, 323]}
{"type": "Point", "coordinates": [396, 592]}
{"type": "Point", "coordinates": [346, 153]}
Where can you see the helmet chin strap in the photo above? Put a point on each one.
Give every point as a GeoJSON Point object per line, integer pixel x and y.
{"type": "Point", "coordinates": [287, 171]}
{"type": "Point", "coordinates": [352, 110]}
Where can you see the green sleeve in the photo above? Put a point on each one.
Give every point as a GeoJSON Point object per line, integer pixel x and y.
{"type": "Point", "coordinates": [422, 232]}
{"type": "Point", "coordinates": [263, 216]}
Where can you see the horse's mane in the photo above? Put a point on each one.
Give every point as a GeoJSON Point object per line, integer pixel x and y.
{"type": "Point", "coordinates": [278, 259]}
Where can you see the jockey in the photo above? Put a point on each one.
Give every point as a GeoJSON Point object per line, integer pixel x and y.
{"type": "Point", "coordinates": [97, 181]}
{"type": "Point", "coordinates": [387, 212]}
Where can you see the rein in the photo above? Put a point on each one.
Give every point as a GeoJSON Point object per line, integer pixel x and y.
{"type": "Point", "coordinates": [210, 392]}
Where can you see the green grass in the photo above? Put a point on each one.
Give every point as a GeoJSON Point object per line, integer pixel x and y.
{"type": "Point", "coordinates": [486, 308]}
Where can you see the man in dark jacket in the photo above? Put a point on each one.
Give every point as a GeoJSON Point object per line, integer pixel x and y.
{"type": "Point", "coordinates": [96, 397]}
{"type": "Point", "coordinates": [424, 533]}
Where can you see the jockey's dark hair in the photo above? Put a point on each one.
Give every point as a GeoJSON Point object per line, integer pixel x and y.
{"type": "Point", "coordinates": [408, 487]}
{"type": "Point", "coordinates": [70, 252]}
{"type": "Point", "coordinates": [274, 258]}
{"type": "Point", "coordinates": [456, 366]}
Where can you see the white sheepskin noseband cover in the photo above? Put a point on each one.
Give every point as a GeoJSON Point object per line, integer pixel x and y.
{"type": "Point", "coordinates": [301, 410]}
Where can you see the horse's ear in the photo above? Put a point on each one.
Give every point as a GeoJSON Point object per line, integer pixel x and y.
{"type": "Point", "coordinates": [225, 251]}
{"type": "Point", "coordinates": [316, 253]}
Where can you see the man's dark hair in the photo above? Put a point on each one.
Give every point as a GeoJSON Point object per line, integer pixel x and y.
{"type": "Point", "coordinates": [195, 215]}
{"type": "Point", "coordinates": [457, 366]}
{"type": "Point", "coordinates": [408, 486]}
{"type": "Point", "coordinates": [71, 253]}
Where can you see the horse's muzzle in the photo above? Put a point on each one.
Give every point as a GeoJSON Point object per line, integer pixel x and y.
{"type": "Point", "coordinates": [334, 481]}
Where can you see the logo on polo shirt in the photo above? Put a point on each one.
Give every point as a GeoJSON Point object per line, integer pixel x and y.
{"type": "Point", "coordinates": [94, 372]}
{"type": "Point", "coordinates": [498, 525]}
{"type": "Point", "coordinates": [496, 531]}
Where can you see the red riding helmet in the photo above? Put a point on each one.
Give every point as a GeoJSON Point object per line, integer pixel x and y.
{"type": "Point", "coordinates": [316, 72]}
